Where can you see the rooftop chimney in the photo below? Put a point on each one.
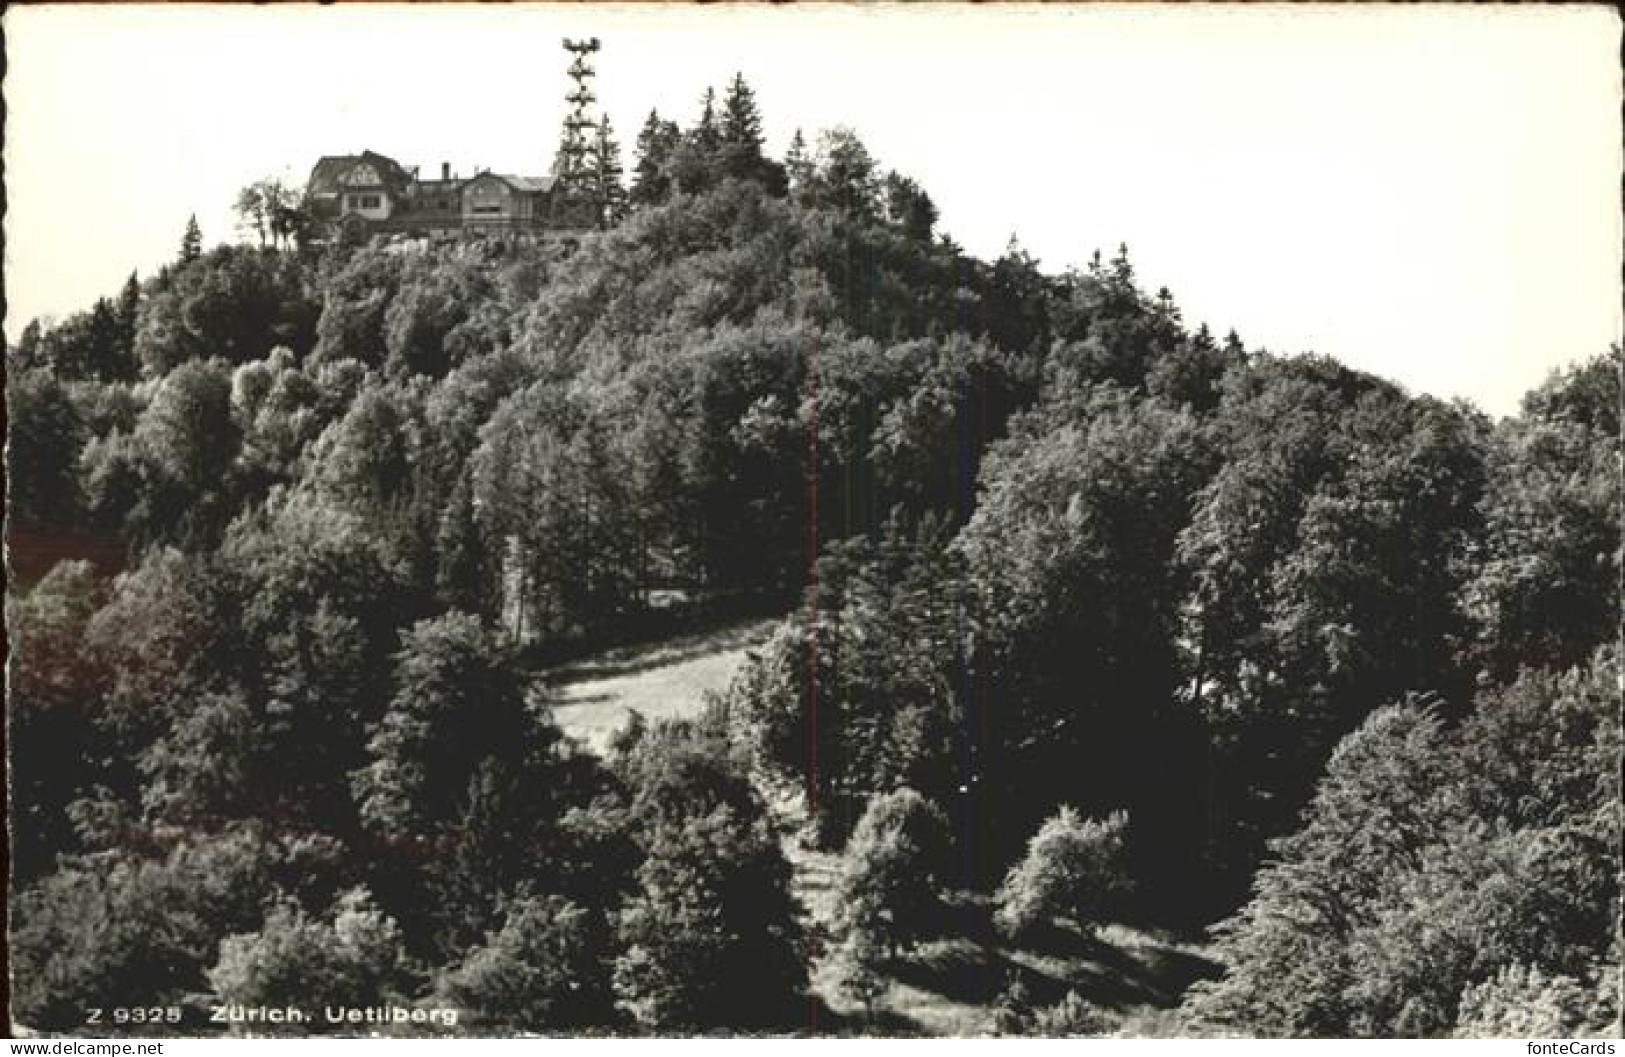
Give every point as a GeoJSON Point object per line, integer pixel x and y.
{"type": "Point", "coordinates": [445, 170]}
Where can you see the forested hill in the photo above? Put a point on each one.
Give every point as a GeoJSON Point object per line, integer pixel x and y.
{"type": "Point", "coordinates": [288, 527]}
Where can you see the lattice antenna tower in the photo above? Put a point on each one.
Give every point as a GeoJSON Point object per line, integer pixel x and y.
{"type": "Point", "coordinates": [579, 145]}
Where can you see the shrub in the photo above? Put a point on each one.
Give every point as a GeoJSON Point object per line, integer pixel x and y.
{"type": "Point", "coordinates": [297, 960]}
{"type": "Point", "coordinates": [1014, 1014]}
{"type": "Point", "coordinates": [1073, 869]}
{"type": "Point", "coordinates": [544, 970]}
{"type": "Point", "coordinates": [1070, 1016]}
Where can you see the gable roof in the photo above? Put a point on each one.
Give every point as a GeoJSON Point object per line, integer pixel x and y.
{"type": "Point", "coordinates": [324, 177]}
{"type": "Point", "coordinates": [329, 169]}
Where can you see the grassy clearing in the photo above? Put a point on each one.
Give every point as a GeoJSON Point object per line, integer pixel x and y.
{"type": "Point", "coordinates": [666, 680]}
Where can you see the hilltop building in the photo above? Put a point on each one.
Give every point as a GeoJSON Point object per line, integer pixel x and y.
{"type": "Point", "coordinates": [356, 195]}
{"type": "Point", "coordinates": [370, 193]}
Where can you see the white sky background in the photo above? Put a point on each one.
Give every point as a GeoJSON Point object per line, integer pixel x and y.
{"type": "Point", "coordinates": [1427, 193]}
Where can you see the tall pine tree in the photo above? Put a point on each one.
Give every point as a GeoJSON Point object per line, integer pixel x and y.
{"type": "Point", "coordinates": [609, 173]}
{"type": "Point", "coordinates": [191, 241]}
{"type": "Point", "coordinates": [741, 128]}
{"type": "Point", "coordinates": [651, 177]}
{"type": "Point", "coordinates": [740, 152]}
{"type": "Point", "coordinates": [696, 161]}
{"type": "Point", "coordinates": [706, 135]}
{"type": "Point", "coordinates": [798, 166]}
{"type": "Point", "coordinates": [129, 305]}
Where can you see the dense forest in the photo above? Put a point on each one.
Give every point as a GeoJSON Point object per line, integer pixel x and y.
{"type": "Point", "coordinates": [1088, 616]}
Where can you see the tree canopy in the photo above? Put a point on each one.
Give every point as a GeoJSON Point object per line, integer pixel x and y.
{"type": "Point", "coordinates": [296, 529]}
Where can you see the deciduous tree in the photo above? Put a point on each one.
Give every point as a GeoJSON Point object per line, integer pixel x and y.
{"type": "Point", "coordinates": [893, 872]}
{"type": "Point", "coordinates": [1074, 868]}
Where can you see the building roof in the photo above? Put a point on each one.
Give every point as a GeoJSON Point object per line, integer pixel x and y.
{"type": "Point", "coordinates": [330, 169]}
{"type": "Point", "coordinates": [526, 184]}
{"type": "Point", "coordinates": [324, 177]}
{"type": "Point", "coordinates": [530, 183]}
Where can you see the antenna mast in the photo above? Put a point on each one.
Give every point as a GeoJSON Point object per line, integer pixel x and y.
{"type": "Point", "coordinates": [577, 177]}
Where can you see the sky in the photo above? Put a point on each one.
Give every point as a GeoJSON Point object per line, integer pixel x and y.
{"type": "Point", "coordinates": [1429, 193]}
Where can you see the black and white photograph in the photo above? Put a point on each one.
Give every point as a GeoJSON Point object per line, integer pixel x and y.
{"type": "Point", "coordinates": [818, 520]}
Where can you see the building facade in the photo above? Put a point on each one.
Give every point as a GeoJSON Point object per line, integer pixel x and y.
{"type": "Point", "coordinates": [356, 195]}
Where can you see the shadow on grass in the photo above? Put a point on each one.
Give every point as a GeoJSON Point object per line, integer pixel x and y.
{"type": "Point", "coordinates": [1103, 972]}
{"type": "Point", "coordinates": [958, 970]}
{"type": "Point", "coordinates": [1176, 971]}
{"type": "Point", "coordinates": [1051, 961]}
{"type": "Point", "coordinates": [581, 701]}
{"type": "Point", "coordinates": [634, 660]}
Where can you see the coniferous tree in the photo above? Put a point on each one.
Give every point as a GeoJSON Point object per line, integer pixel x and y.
{"type": "Point", "coordinates": [741, 131]}
{"type": "Point", "coordinates": [129, 306]}
{"type": "Point", "coordinates": [191, 241]}
{"type": "Point", "coordinates": [466, 569]}
{"type": "Point", "coordinates": [85, 346]}
{"type": "Point", "coordinates": [740, 147]}
{"type": "Point", "coordinates": [696, 160]}
{"type": "Point", "coordinates": [26, 353]}
{"type": "Point", "coordinates": [798, 166]}
{"type": "Point", "coordinates": [705, 134]}
{"type": "Point", "coordinates": [846, 174]}
{"type": "Point", "coordinates": [651, 177]}
{"type": "Point", "coordinates": [609, 173]}
{"type": "Point", "coordinates": [908, 207]}
{"type": "Point", "coordinates": [104, 352]}
{"type": "Point", "coordinates": [741, 120]}
{"type": "Point", "coordinates": [1122, 269]}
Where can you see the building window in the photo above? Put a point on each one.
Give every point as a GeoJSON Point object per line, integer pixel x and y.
{"type": "Point", "coordinates": [487, 208]}
{"type": "Point", "coordinates": [369, 201]}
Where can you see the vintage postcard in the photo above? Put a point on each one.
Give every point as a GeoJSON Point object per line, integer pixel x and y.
{"type": "Point", "coordinates": [817, 520]}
